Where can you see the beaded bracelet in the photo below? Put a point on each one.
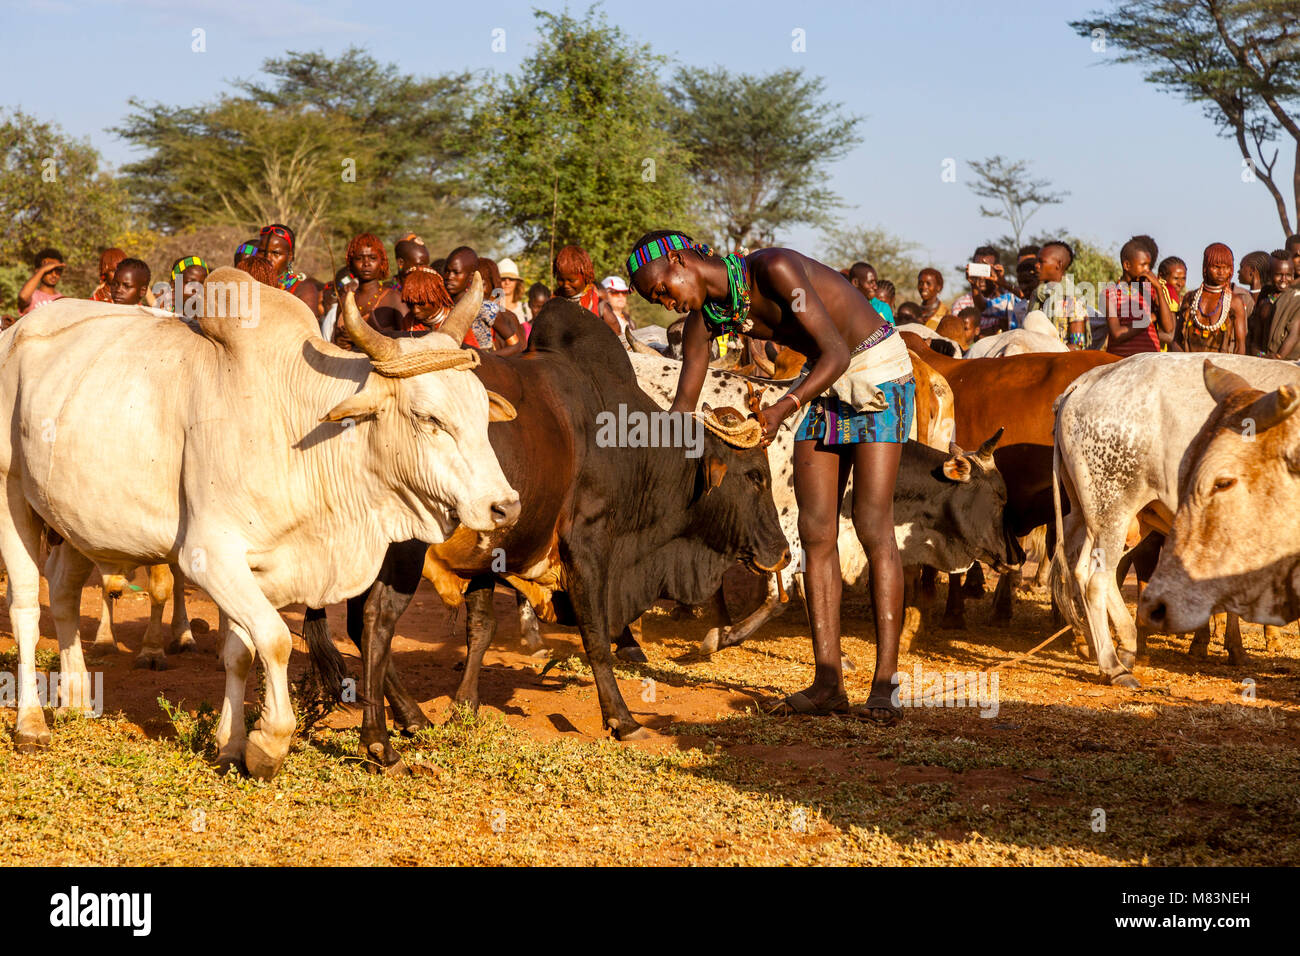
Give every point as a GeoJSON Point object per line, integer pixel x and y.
{"type": "Point", "coordinates": [793, 396]}
{"type": "Point", "coordinates": [1076, 338]}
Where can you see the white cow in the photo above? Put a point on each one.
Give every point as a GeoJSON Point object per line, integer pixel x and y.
{"type": "Point", "coordinates": [1122, 437]}
{"type": "Point", "coordinates": [1015, 342]}
{"type": "Point", "coordinates": [271, 467]}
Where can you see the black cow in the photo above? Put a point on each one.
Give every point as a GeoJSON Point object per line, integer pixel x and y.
{"type": "Point", "coordinates": [608, 529]}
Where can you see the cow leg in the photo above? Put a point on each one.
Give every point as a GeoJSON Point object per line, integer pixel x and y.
{"type": "Point", "coordinates": [589, 604]}
{"type": "Point", "coordinates": [152, 655]}
{"type": "Point", "coordinates": [20, 544]}
{"type": "Point", "coordinates": [1096, 580]}
{"type": "Point", "coordinates": [954, 612]}
{"type": "Point", "coordinates": [772, 607]}
{"type": "Point", "coordinates": [717, 634]}
{"type": "Point", "coordinates": [237, 655]}
{"type": "Point", "coordinates": [1232, 641]}
{"type": "Point", "coordinates": [480, 628]}
{"type": "Point", "coordinates": [1200, 646]}
{"type": "Point", "coordinates": [626, 646]}
{"type": "Point", "coordinates": [1002, 594]}
{"type": "Point", "coordinates": [104, 639]}
{"type": "Point", "coordinates": [384, 604]}
{"type": "Point", "coordinates": [911, 612]}
{"type": "Point", "coordinates": [529, 629]}
{"type": "Point", "coordinates": [929, 583]}
{"type": "Point", "coordinates": [974, 583]}
{"type": "Point", "coordinates": [182, 636]}
{"type": "Point", "coordinates": [221, 569]}
{"type": "Point", "coordinates": [1272, 634]}
{"type": "Point", "coordinates": [67, 571]}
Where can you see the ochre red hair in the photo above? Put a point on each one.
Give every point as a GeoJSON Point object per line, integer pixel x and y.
{"type": "Point", "coordinates": [574, 259]}
{"type": "Point", "coordinates": [1216, 254]}
{"type": "Point", "coordinates": [423, 286]}
{"type": "Point", "coordinates": [370, 241]}
{"type": "Point", "coordinates": [260, 268]}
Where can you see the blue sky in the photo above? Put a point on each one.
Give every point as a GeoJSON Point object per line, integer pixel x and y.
{"type": "Point", "coordinates": [934, 80]}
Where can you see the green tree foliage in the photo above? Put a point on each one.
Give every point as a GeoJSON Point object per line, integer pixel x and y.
{"type": "Point", "coordinates": [894, 258]}
{"type": "Point", "coordinates": [573, 148]}
{"type": "Point", "coordinates": [761, 146]}
{"type": "Point", "coordinates": [1239, 60]}
{"type": "Point", "coordinates": [330, 146]}
{"type": "Point", "coordinates": [53, 193]}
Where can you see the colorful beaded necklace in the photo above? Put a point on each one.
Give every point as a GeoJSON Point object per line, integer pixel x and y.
{"type": "Point", "coordinates": [1225, 306]}
{"type": "Point", "coordinates": [734, 316]}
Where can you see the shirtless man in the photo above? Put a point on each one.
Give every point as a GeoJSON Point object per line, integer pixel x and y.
{"type": "Point", "coordinates": [785, 297]}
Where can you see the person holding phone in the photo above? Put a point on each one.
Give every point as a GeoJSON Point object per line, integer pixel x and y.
{"type": "Point", "coordinates": [1000, 307]}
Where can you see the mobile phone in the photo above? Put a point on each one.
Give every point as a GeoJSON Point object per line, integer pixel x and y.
{"type": "Point", "coordinates": [979, 270]}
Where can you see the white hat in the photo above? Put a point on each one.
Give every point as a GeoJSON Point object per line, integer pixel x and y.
{"type": "Point", "coordinates": [614, 284]}
{"type": "Point", "coordinates": [508, 269]}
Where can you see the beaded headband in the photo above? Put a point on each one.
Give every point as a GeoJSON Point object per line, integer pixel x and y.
{"type": "Point", "coordinates": [183, 264]}
{"type": "Point", "coordinates": [658, 248]}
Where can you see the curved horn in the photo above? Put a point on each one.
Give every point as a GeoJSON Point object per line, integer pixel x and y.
{"type": "Point", "coordinates": [636, 345]}
{"type": "Point", "coordinates": [985, 452]}
{"type": "Point", "coordinates": [379, 347]}
{"type": "Point", "coordinates": [464, 311]}
{"type": "Point", "coordinates": [761, 362]}
{"type": "Point", "coordinates": [1221, 383]}
{"type": "Point", "coordinates": [1275, 407]}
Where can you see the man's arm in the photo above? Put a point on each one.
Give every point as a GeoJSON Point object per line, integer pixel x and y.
{"type": "Point", "coordinates": [609, 318]}
{"type": "Point", "coordinates": [695, 364]}
{"type": "Point", "coordinates": [1118, 334]}
{"type": "Point", "coordinates": [1164, 317]}
{"type": "Point", "coordinates": [29, 287]}
{"type": "Point", "coordinates": [506, 328]}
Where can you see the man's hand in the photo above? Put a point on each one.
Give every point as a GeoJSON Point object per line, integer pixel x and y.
{"type": "Point", "coordinates": [49, 267]}
{"type": "Point", "coordinates": [772, 417]}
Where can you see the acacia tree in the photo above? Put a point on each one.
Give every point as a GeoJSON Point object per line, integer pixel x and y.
{"type": "Point", "coordinates": [760, 146]}
{"type": "Point", "coordinates": [572, 148]}
{"type": "Point", "coordinates": [1017, 194]}
{"type": "Point", "coordinates": [1238, 59]}
{"type": "Point", "coordinates": [54, 193]}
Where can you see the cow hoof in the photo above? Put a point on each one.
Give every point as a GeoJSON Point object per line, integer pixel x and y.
{"type": "Point", "coordinates": [199, 626]}
{"type": "Point", "coordinates": [381, 758]}
{"type": "Point", "coordinates": [103, 644]}
{"type": "Point", "coordinates": [711, 642]}
{"type": "Point", "coordinates": [1125, 680]}
{"type": "Point", "coordinates": [409, 728]}
{"type": "Point", "coordinates": [641, 733]}
{"type": "Point", "coordinates": [631, 655]}
{"type": "Point", "coordinates": [31, 743]}
{"type": "Point", "coordinates": [260, 764]}
{"type": "Point", "coordinates": [1082, 650]}
{"type": "Point", "coordinates": [182, 645]}
{"type": "Point", "coordinates": [153, 662]}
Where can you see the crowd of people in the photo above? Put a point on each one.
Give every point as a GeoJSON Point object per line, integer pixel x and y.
{"type": "Point", "coordinates": [1147, 308]}
{"type": "Point", "coordinates": [406, 300]}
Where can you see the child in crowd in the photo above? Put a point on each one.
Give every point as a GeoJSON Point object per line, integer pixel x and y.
{"type": "Point", "coordinates": [42, 287]}
{"type": "Point", "coordinates": [1135, 305]}
{"type": "Point", "coordinates": [130, 282]}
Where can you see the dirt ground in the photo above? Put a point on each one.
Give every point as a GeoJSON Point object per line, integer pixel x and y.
{"type": "Point", "coordinates": [1201, 766]}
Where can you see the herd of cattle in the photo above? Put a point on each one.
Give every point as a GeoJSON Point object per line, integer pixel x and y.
{"type": "Point", "coordinates": [271, 468]}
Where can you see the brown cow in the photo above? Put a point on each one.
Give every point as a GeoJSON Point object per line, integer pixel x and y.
{"type": "Point", "coordinates": [1015, 392]}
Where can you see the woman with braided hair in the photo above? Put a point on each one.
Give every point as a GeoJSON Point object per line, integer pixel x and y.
{"type": "Point", "coordinates": [851, 411]}
{"type": "Point", "coordinates": [426, 298]}
{"type": "Point", "coordinates": [1212, 317]}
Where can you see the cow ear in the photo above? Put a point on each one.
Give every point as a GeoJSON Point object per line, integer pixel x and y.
{"type": "Point", "coordinates": [715, 469]}
{"type": "Point", "coordinates": [957, 468]}
{"type": "Point", "coordinates": [499, 409]}
{"type": "Point", "coordinates": [1221, 383]}
{"type": "Point", "coordinates": [364, 404]}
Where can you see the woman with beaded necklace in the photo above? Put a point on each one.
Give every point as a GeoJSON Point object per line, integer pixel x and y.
{"type": "Point", "coordinates": [853, 411]}
{"type": "Point", "coordinates": [1212, 318]}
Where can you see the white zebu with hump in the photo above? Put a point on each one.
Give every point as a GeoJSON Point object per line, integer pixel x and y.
{"type": "Point", "coordinates": [230, 461]}
{"type": "Point", "coordinates": [1122, 437]}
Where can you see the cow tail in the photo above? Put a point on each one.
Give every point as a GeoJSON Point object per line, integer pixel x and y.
{"type": "Point", "coordinates": [325, 664]}
{"type": "Point", "coordinates": [1062, 572]}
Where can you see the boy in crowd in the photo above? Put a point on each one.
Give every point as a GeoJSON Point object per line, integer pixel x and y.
{"type": "Point", "coordinates": [1067, 313]}
{"type": "Point", "coordinates": [42, 287]}
{"type": "Point", "coordinates": [1281, 275]}
{"type": "Point", "coordinates": [908, 312]}
{"type": "Point", "coordinates": [999, 307]}
{"type": "Point", "coordinates": [190, 269]}
{"type": "Point", "coordinates": [1135, 305]}
{"type": "Point", "coordinates": [929, 283]}
{"type": "Point", "coordinates": [538, 294]}
{"type": "Point", "coordinates": [130, 282]}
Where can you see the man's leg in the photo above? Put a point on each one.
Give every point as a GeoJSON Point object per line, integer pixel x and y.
{"type": "Point", "coordinates": [817, 489]}
{"type": "Point", "coordinates": [875, 470]}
